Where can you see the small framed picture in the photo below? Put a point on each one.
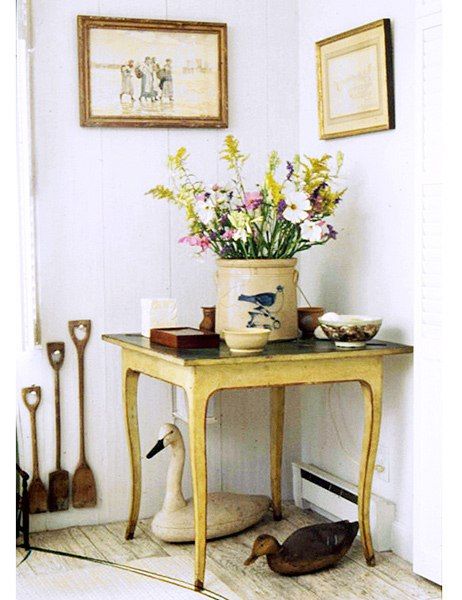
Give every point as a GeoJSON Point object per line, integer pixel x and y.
{"type": "Point", "coordinates": [149, 73]}
{"type": "Point", "coordinates": [355, 81]}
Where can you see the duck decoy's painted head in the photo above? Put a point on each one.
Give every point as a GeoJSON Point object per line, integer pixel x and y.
{"type": "Point", "coordinates": [168, 435]}
{"type": "Point", "coordinates": [264, 545]}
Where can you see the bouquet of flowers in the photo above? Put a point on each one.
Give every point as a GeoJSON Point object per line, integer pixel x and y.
{"type": "Point", "coordinates": [278, 219]}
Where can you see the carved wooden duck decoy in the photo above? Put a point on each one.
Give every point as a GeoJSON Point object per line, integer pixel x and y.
{"type": "Point", "coordinates": [306, 550]}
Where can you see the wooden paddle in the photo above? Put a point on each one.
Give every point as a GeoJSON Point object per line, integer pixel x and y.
{"type": "Point", "coordinates": [83, 482]}
{"type": "Point", "coordinates": [37, 491]}
{"type": "Point", "coordinates": [58, 482]}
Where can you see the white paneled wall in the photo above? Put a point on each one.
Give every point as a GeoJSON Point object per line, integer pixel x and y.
{"type": "Point", "coordinates": [103, 245]}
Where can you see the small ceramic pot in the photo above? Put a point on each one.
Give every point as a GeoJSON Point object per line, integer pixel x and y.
{"type": "Point", "coordinates": [308, 320]}
{"type": "Point", "coordinates": [208, 321]}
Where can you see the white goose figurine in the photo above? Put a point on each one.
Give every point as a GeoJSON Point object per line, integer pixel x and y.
{"type": "Point", "coordinates": [226, 513]}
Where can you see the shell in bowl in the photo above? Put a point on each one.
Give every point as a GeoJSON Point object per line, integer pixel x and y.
{"type": "Point", "coordinates": [350, 331]}
{"type": "Point", "coordinates": [246, 341]}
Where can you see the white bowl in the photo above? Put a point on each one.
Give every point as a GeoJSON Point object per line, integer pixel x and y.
{"type": "Point", "coordinates": [350, 331]}
{"type": "Point", "coordinates": [246, 341]}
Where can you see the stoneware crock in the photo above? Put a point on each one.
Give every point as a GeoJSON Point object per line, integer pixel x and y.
{"type": "Point", "coordinates": [258, 293]}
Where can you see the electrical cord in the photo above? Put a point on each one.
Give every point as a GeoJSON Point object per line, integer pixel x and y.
{"type": "Point", "coordinates": [339, 437]}
{"type": "Point", "coordinates": [378, 468]}
{"type": "Point", "coordinates": [303, 295]}
{"type": "Point", "coordinates": [28, 553]}
{"type": "Point", "coordinates": [151, 574]}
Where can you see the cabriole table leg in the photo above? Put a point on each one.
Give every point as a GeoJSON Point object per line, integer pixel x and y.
{"type": "Point", "coordinates": [372, 392]}
{"type": "Point", "coordinates": [197, 439]}
{"type": "Point", "coordinates": [130, 393]}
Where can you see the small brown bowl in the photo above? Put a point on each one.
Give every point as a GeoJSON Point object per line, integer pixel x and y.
{"type": "Point", "coordinates": [308, 317]}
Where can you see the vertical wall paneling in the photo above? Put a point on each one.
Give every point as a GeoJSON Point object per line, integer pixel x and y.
{"type": "Point", "coordinates": [428, 290]}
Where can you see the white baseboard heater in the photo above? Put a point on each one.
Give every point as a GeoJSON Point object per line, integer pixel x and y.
{"type": "Point", "coordinates": [337, 499]}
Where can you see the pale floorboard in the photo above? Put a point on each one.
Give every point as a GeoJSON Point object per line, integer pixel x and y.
{"type": "Point", "coordinates": [391, 579]}
{"type": "Point", "coordinates": [142, 545]}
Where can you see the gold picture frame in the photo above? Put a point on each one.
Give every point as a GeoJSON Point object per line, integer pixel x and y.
{"type": "Point", "coordinates": [152, 73]}
{"type": "Point", "coordinates": [355, 81]}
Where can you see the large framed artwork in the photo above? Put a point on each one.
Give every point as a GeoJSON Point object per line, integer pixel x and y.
{"type": "Point", "coordinates": [355, 81]}
{"type": "Point", "coordinates": [149, 73]}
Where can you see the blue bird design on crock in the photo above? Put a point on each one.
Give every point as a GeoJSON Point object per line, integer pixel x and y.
{"type": "Point", "coordinates": [262, 303]}
{"type": "Point", "coordinates": [264, 299]}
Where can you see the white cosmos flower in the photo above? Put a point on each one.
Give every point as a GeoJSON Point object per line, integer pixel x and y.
{"type": "Point", "coordinates": [296, 208]}
{"type": "Point", "coordinates": [241, 223]}
{"type": "Point", "coordinates": [312, 231]}
{"type": "Point", "coordinates": [205, 211]}
{"type": "Point", "coordinates": [240, 234]}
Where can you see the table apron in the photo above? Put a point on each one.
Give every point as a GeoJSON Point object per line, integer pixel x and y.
{"type": "Point", "coordinates": [212, 378]}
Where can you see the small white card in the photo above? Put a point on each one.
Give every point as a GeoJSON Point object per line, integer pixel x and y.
{"type": "Point", "coordinates": [157, 312]}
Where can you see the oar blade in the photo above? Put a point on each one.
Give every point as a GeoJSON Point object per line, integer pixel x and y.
{"type": "Point", "coordinates": [37, 497]}
{"type": "Point", "coordinates": [83, 488]}
{"type": "Point", "coordinates": [58, 491]}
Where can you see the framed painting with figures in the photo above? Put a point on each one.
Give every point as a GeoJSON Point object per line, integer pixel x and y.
{"type": "Point", "coordinates": [355, 81]}
{"type": "Point", "coordinates": [150, 73]}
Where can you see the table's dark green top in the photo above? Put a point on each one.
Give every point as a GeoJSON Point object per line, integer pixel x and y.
{"type": "Point", "coordinates": [274, 351]}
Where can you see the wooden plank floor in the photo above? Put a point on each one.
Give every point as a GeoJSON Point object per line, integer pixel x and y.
{"type": "Point", "coordinates": [391, 579]}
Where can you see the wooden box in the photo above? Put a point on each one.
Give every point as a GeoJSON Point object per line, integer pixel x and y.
{"type": "Point", "coordinates": [184, 337]}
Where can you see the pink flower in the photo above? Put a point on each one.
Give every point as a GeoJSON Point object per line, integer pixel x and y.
{"type": "Point", "coordinates": [204, 243]}
{"type": "Point", "coordinates": [188, 239]}
{"type": "Point", "coordinates": [228, 234]}
{"type": "Point", "coordinates": [252, 200]}
{"type": "Point", "coordinates": [200, 197]}
{"type": "Point", "coordinates": [196, 240]}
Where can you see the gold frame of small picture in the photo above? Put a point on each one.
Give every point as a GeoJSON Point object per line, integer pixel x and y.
{"type": "Point", "coordinates": [127, 110]}
{"type": "Point", "coordinates": [355, 81]}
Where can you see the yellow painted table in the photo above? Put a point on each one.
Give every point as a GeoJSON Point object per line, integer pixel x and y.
{"type": "Point", "coordinates": [203, 372]}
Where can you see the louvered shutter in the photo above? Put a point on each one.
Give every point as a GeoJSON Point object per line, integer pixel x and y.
{"type": "Point", "coordinates": [428, 305]}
